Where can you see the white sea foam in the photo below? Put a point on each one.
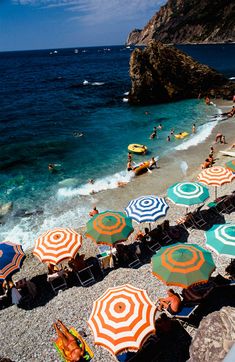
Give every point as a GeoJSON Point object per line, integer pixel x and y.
{"type": "Point", "coordinates": [85, 82]}
{"type": "Point", "coordinates": [232, 78]}
{"type": "Point", "coordinates": [97, 83]}
{"type": "Point", "coordinates": [125, 100]}
{"type": "Point", "coordinates": [202, 133]}
{"type": "Point", "coordinates": [109, 182]}
{"type": "Point", "coordinates": [126, 93]}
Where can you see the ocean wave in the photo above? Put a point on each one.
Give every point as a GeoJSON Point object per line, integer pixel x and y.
{"type": "Point", "coordinates": [126, 93]}
{"type": "Point", "coordinates": [232, 78]}
{"type": "Point", "coordinates": [125, 100]}
{"type": "Point", "coordinates": [203, 132]}
{"type": "Point", "coordinates": [85, 82]}
{"type": "Point", "coordinates": [106, 183]}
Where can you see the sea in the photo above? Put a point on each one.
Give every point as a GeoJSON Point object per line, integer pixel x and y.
{"type": "Point", "coordinates": [69, 107]}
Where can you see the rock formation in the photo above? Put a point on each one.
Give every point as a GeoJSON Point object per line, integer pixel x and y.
{"type": "Point", "coordinates": [161, 73]}
{"type": "Point", "coordinates": [189, 21]}
{"type": "Point", "coordinates": [214, 337]}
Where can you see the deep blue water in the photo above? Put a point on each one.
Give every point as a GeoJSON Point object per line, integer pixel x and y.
{"type": "Point", "coordinates": [46, 96]}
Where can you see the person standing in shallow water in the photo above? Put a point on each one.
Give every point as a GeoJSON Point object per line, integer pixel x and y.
{"type": "Point", "coordinates": [194, 128]}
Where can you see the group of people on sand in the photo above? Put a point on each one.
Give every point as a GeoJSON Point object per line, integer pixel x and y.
{"type": "Point", "coordinates": [130, 167]}
{"type": "Point", "coordinates": [209, 161]}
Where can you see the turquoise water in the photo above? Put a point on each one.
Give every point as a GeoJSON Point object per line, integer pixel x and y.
{"type": "Point", "coordinates": [46, 100]}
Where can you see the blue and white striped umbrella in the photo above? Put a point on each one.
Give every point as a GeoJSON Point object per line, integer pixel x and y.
{"type": "Point", "coordinates": [147, 208]}
{"type": "Point", "coordinates": [187, 193]}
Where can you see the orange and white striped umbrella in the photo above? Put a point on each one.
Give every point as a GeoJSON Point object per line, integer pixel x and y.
{"type": "Point", "coordinates": [122, 318]}
{"type": "Point", "coordinates": [216, 176]}
{"type": "Point", "coordinates": [58, 244]}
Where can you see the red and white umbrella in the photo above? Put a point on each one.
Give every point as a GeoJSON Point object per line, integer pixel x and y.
{"type": "Point", "coordinates": [216, 176]}
{"type": "Point", "coordinates": [58, 244]}
{"type": "Point", "coordinates": [122, 318]}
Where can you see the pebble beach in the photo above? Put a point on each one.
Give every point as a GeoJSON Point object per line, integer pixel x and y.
{"type": "Point", "coordinates": [25, 335]}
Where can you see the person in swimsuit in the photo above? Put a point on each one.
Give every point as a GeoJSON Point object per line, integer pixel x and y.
{"type": "Point", "coordinates": [172, 303]}
{"type": "Point", "coordinates": [71, 350]}
{"type": "Point", "coordinates": [129, 166]}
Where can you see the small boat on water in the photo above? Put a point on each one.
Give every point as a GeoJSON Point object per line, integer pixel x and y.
{"type": "Point", "coordinates": [181, 135]}
{"type": "Point", "coordinates": [142, 168]}
{"type": "Point", "coordinates": [136, 148]}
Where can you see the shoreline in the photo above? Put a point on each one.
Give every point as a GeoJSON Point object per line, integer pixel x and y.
{"type": "Point", "coordinates": [27, 337]}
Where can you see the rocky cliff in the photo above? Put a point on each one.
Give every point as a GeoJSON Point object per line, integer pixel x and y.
{"type": "Point", "coordinates": [189, 21]}
{"type": "Point", "coordinates": [214, 337]}
{"type": "Point", "coordinates": [161, 73]}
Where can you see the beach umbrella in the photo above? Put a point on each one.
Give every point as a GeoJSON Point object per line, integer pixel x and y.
{"type": "Point", "coordinates": [216, 176]}
{"type": "Point", "coordinates": [122, 318]}
{"type": "Point", "coordinates": [11, 259]}
{"type": "Point", "coordinates": [57, 245]}
{"type": "Point", "coordinates": [147, 208]}
{"type": "Point", "coordinates": [109, 227]}
{"type": "Point", "coordinates": [187, 193]}
{"type": "Point", "coordinates": [221, 239]}
{"type": "Point", "coordinates": [182, 264]}
{"type": "Point", "coordinates": [230, 165]}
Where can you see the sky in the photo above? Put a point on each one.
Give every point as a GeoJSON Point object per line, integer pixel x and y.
{"type": "Point", "coordinates": [44, 24]}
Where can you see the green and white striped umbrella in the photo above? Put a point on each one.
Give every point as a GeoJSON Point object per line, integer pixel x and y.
{"type": "Point", "coordinates": [187, 193]}
{"type": "Point", "coordinates": [221, 239]}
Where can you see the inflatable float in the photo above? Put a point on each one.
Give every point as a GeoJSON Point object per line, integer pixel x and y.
{"type": "Point", "coordinates": [142, 168]}
{"type": "Point", "coordinates": [136, 148]}
{"type": "Point", "coordinates": [181, 135]}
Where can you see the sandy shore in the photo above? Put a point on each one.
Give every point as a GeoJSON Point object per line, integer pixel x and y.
{"type": "Point", "coordinates": [25, 334]}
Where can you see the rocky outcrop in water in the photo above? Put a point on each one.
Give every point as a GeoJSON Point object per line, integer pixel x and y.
{"type": "Point", "coordinates": [161, 73]}
{"type": "Point", "coordinates": [214, 337]}
{"type": "Point", "coordinates": [189, 21]}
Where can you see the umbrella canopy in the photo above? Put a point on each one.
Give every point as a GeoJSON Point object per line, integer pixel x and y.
{"type": "Point", "coordinates": [182, 264]}
{"type": "Point", "coordinates": [109, 227]}
{"type": "Point", "coordinates": [187, 193]}
{"type": "Point", "coordinates": [57, 245]}
{"type": "Point", "coordinates": [216, 176]}
{"type": "Point", "coordinates": [221, 239]}
{"type": "Point", "coordinates": [230, 165]}
{"type": "Point", "coordinates": [11, 259]}
{"type": "Point", "coordinates": [147, 208]}
{"type": "Point", "coordinates": [122, 318]}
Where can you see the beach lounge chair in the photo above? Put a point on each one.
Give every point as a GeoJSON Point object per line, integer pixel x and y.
{"type": "Point", "coordinates": [228, 205]}
{"type": "Point", "coordinates": [166, 239]}
{"type": "Point", "coordinates": [184, 315]}
{"type": "Point", "coordinates": [198, 219]}
{"type": "Point", "coordinates": [85, 276]}
{"type": "Point", "coordinates": [186, 221]}
{"type": "Point", "coordinates": [135, 263]}
{"type": "Point", "coordinates": [88, 354]}
{"type": "Point", "coordinates": [154, 247]}
{"type": "Point", "coordinates": [57, 281]}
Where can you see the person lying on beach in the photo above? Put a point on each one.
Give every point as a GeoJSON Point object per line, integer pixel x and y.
{"type": "Point", "coordinates": [172, 303]}
{"type": "Point", "coordinates": [93, 212]}
{"type": "Point", "coordinates": [206, 164]}
{"type": "Point", "coordinates": [77, 263]}
{"type": "Point", "coordinates": [70, 349]}
{"type": "Point", "coordinates": [121, 183]}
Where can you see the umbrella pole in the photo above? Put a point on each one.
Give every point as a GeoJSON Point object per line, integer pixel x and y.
{"type": "Point", "coordinates": [149, 226]}
{"type": "Point", "coordinates": [215, 192]}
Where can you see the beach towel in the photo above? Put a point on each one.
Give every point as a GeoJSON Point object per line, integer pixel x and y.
{"type": "Point", "coordinates": [88, 354]}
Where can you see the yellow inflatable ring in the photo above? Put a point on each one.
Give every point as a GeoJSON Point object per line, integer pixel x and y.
{"type": "Point", "coordinates": [136, 148]}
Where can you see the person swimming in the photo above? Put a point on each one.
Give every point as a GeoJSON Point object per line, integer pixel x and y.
{"type": "Point", "coordinates": [77, 134]}
{"type": "Point", "coordinates": [153, 135]}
